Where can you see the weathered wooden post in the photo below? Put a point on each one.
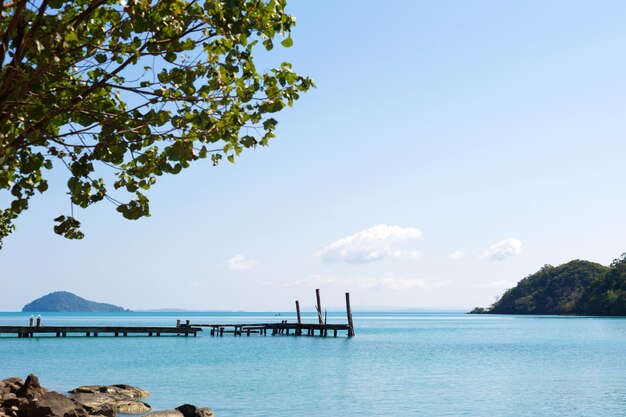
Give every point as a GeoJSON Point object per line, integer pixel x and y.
{"type": "Point", "coordinates": [178, 323]}
{"type": "Point", "coordinates": [349, 313]}
{"type": "Point", "coordinates": [31, 320]}
{"type": "Point", "coordinates": [187, 323]}
{"type": "Point", "coordinates": [298, 329]}
{"type": "Point", "coordinates": [318, 307]}
{"type": "Point", "coordinates": [38, 320]}
{"type": "Point", "coordinates": [298, 312]}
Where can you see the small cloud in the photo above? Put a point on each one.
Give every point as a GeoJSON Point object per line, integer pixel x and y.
{"type": "Point", "coordinates": [240, 263]}
{"type": "Point", "coordinates": [504, 249]}
{"type": "Point", "coordinates": [370, 245]}
{"type": "Point", "coordinates": [389, 281]}
{"type": "Point", "coordinates": [455, 256]}
{"type": "Point", "coordinates": [195, 284]}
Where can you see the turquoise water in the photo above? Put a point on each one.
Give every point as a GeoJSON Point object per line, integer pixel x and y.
{"type": "Point", "coordinates": [399, 364]}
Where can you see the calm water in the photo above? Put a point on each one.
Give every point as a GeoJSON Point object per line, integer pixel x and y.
{"type": "Point", "coordinates": [413, 364]}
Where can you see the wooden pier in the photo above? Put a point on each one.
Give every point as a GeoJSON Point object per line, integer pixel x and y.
{"type": "Point", "coordinates": [322, 328]}
{"type": "Point", "coordinates": [63, 331]}
{"type": "Point", "coordinates": [295, 329]}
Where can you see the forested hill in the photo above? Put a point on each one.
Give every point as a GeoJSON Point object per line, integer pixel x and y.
{"type": "Point", "coordinates": [577, 287]}
{"type": "Point", "coordinates": [63, 301]}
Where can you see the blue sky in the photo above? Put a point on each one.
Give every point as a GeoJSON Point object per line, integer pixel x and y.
{"type": "Point", "coordinates": [490, 130]}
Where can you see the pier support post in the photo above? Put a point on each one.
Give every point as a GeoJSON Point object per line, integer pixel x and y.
{"type": "Point", "coordinates": [349, 313]}
{"type": "Point", "coordinates": [318, 307]}
{"type": "Point", "coordinates": [298, 330]}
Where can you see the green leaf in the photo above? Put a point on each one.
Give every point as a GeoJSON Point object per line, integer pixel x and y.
{"type": "Point", "coordinates": [287, 42]}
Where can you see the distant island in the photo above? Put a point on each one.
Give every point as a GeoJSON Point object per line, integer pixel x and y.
{"type": "Point", "coordinates": [574, 288]}
{"type": "Point", "coordinates": [63, 301]}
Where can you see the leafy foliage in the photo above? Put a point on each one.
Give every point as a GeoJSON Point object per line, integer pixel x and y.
{"type": "Point", "coordinates": [551, 290]}
{"type": "Point", "coordinates": [132, 90]}
{"type": "Point", "coordinates": [607, 295]}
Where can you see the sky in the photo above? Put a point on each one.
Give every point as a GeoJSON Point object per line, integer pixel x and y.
{"type": "Point", "coordinates": [450, 149]}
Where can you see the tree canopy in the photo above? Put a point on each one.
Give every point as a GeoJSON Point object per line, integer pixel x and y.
{"type": "Point", "coordinates": [121, 92]}
{"type": "Point", "coordinates": [551, 290]}
{"type": "Point", "coordinates": [577, 287]}
{"type": "Point", "coordinates": [607, 295]}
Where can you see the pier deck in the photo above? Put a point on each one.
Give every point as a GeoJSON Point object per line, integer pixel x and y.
{"type": "Point", "coordinates": [297, 329]}
{"type": "Point", "coordinates": [63, 331]}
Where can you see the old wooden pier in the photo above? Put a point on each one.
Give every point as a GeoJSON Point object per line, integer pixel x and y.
{"type": "Point", "coordinates": [322, 327]}
{"type": "Point", "coordinates": [62, 331]}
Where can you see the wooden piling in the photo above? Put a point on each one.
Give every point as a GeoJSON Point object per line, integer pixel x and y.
{"type": "Point", "coordinates": [298, 312]}
{"type": "Point", "coordinates": [349, 313]}
{"type": "Point", "coordinates": [318, 307]}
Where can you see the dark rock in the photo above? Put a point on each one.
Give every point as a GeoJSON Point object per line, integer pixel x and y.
{"type": "Point", "coordinates": [103, 411]}
{"type": "Point", "coordinates": [189, 410]}
{"type": "Point", "coordinates": [31, 388]}
{"type": "Point", "coordinates": [185, 410]}
{"type": "Point", "coordinates": [52, 404]}
{"type": "Point", "coordinates": [11, 400]}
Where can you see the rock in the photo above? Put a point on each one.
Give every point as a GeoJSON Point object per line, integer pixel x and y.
{"type": "Point", "coordinates": [11, 400]}
{"type": "Point", "coordinates": [12, 384]}
{"type": "Point", "coordinates": [120, 403]}
{"type": "Point", "coordinates": [52, 404]}
{"type": "Point", "coordinates": [31, 388]}
{"type": "Point", "coordinates": [166, 413]}
{"type": "Point", "coordinates": [121, 389]}
{"type": "Point", "coordinates": [189, 410]}
{"type": "Point", "coordinates": [185, 410]}
{"type": "Point", "coordinates": [104, 411]}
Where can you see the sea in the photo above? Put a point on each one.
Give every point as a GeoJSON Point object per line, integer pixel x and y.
{"type": "Point", "coordinates": [398, 364]}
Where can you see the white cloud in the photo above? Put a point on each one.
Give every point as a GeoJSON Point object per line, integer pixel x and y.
{"type": "Point", "coordinates": [240, 263]}
{"type": "Point", "coordinates": [455, 256]}
{"type": "Point", "coordinates": [504, 249]}
{"type": "Point", "coordinates": [370, 245]}
{"type": "Point", "coordinates": [389, 281]}
{"type": "Point", "coordinates": [195, 284]}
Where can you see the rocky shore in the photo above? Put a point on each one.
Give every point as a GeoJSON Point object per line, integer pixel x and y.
{"type": "Point", "coordinates": [28, 398]}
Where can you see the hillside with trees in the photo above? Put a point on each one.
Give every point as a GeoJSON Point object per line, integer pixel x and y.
{"type": "Point", "coordinates": [63, 301]}
{"type": "Point", "coordinates": [607, 296]}
{"type": "Point", "coordinates": [576, 287]}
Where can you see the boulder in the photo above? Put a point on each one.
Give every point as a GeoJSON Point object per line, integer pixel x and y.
{"type": "Point", "coordinates": [166, 413]}
{"type": "Point", "coordinates": [11, 400]}
{"type": "Point", "coordinates": [51, 404]}
{"type": "Point", "coordinates": [119, 403]}
{"type": "Point", "coordinates": [31, 388]}
{"type": "Point", "coordinates": [121, 389]}
{"type": "Point", "coordinates": [185, 410]}
{"type": "Point", "coordinates": [12, 384]}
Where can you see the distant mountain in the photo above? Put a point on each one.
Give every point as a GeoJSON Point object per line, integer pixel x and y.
{"type": "Point", "coordinates": [63, 301]}
{"type": "Point", "coordinates": [577, 287]}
